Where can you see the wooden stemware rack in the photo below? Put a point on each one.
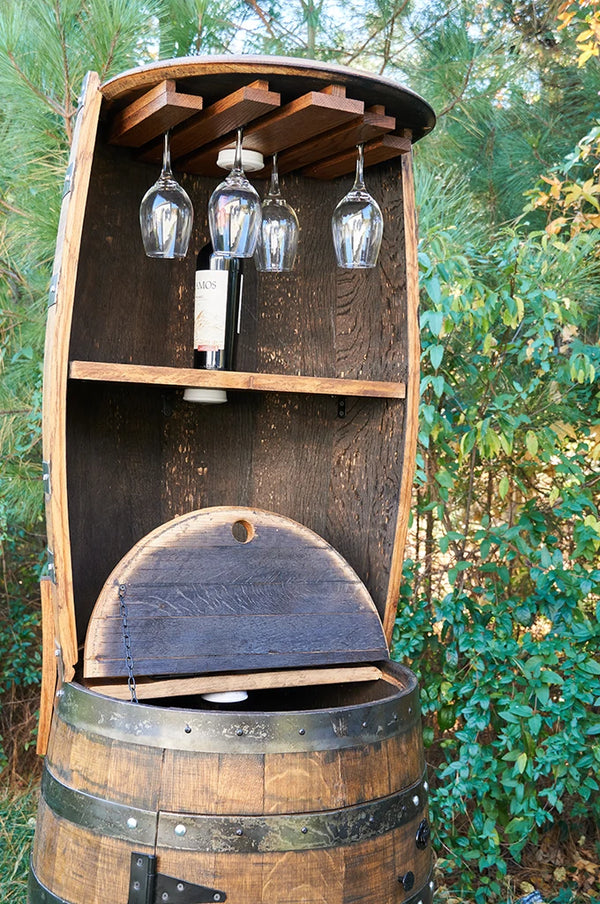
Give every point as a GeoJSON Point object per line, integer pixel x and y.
{"type": "Point", "coordinates": [331, 125]}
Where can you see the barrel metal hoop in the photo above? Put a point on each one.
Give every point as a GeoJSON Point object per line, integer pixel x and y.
{"type": "Point", "coordinates": [103, 817]}
{"type": "Point", "coordinates": [240, 732]}
{"type": "Point", "coordinates": [38, 893]}
{"type": "Point", "coordinates": [236, 834]}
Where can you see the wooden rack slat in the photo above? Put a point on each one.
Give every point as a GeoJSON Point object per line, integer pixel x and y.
{"type": "Point", "coordinates": [309, 115]}
{"type": "Point", "coordinates": [376, 151]}
{"type": "Point", "coordinates": [221, 379]}
{"type": "Point", "coordinates": [372, 124]}
{"type": "Point", "coordinates": [223, 117]}
{"type": "Point", "coordinates": [155, 112]}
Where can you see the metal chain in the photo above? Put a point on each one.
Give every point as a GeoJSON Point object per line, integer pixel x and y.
{"type": "Point", "coordinates": [127, 643]}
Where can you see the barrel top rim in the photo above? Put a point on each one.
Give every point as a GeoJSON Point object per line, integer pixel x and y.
{"type": "Point", "coordinates": [418, 115]}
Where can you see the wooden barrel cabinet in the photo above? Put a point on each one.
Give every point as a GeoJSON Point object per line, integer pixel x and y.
{"type": "Point", "coordinates": [314, 788]}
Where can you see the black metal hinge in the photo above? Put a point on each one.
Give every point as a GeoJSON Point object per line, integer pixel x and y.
{"type": "Point", "coordinates": [146, 886]}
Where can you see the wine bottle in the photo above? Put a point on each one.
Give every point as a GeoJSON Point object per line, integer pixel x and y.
{"type": "Point", "coordinates": [217, 300]}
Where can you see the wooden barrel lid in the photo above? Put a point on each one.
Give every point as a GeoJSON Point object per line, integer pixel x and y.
{"type": "Point", "coordinates": [231, 589]}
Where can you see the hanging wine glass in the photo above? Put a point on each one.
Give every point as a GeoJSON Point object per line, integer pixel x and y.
{"type": "Point", "coordinates": [278, 241]}
{"type": "Point", "coordinates": [166, 214]}
{"type": "Point", "coordinates": [357, 224]}
{"type": "Point", "coordinates": [234, 213]}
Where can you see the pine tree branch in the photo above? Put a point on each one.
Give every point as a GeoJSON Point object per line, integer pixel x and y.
{"type": "Point", "coordinates": [46, 99]}
{"type": "Point", "coordinates": [264, 18]}
{"type": "Point", "coordinates": [68, 106]}
{"type": "Point", "coordinates": [458, 97]}
{"type": "Point", "coordinates": [374, 34]}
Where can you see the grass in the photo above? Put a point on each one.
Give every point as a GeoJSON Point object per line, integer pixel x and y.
{"type": "Point", "coordinates": [17, 824]}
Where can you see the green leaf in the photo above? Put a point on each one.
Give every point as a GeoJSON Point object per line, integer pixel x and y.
{"type": "Point", "coordinates": [436, 322]}
{"type": "Point", "coordinates": [436, 353]}
{"type": "Point", "coordinates": [531, 442]}
{"type": "Point", "coordinates": [503, 487]}
{"type": "Point", "coordinates": [521, 763]}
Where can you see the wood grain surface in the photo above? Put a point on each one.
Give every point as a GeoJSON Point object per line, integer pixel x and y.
{"type": "Point", "coordinates": [76, 863]}
{"type": "Point", "coordinates": [155, 112]}
{"type": "Point", "coordinates": [232, 589]}
{"type": "Point", "coordinates": [58, 330]}
{"type": "Point", "coordinates": [224, 379]}
{"type": "Point", "coordinates": [138, 455]}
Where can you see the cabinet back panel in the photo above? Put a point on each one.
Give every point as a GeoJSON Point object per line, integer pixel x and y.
{"type": "Point", "coordinates": [318, 320]}
{"type": "Point", "coordinates": [139, 456]}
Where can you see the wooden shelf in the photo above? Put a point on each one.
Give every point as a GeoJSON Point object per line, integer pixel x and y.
{"type": "Point", "coordinates": [220, 379]}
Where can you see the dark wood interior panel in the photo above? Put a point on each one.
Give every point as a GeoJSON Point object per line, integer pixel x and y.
{"type": "Point", "coordinates": [318, 320]}
{"type": "Point", "coordinates": [114, 478]}
{"type": "Point", "coordinates": [363, 499]}
{"type": "Point", "coordinates": [139, 455]}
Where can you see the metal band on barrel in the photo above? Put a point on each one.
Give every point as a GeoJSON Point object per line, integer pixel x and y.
{"type": "Point", "coordinates": [242, 732]}
{"type": "Point", "coordinates": [235, 834]}
{"type": "Point", "coordinates": [38, 893]}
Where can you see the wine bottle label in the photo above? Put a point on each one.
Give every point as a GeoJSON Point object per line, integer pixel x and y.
{"type": "Point", "coordinates": [210, 310]}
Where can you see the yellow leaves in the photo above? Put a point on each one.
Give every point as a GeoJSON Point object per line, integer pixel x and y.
{"type": "Point", "coordinates": [554, 227]}
{"type": "Point", "coordinates": [588, 40]}
{"type": "Point", "coordinates": [555, 185]}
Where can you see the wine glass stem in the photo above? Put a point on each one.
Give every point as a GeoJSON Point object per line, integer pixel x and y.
{"type": "Point", "coordinates": [237, 163]}
{"type": "Point", "coordinates": [166, 167]}
{"type": "Point", "coordinates": [359, 182]}
{"type": "Point", "coordinates": [274, 189]}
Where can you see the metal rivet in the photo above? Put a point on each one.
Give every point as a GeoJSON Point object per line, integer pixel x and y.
{"type": "Point", "coordinates": [371, 820]}
{"type": "Point", "coordinates": [425, 786]}
{"type": "Point", "coordinates": [216, 897]}
{"type": "Point", "coordinates": [240, 732]}
{"type": "Point", "coordinates": [301, 731]}
{"type": "Point", "coordinates": [136, 886]}
{"type": "Point", "coordinates": [432, 885]}
{"type": "Point", "coordinates": [180, 829]}
{"type": "Point", "coordinates": [395, 717]}
{"type": "Point", "coordinates": [416, 800]}
{"type": "Point", "coordinates": [409, 710]}
{"type": "Point", "coordinates": [139, 861]}
{"type": "Point", "coordinates": [180, 886]}
{"type": "Point", "coordinates": [187, 729]}
{"type": "Point", "coordinates": [165, 896]}
{"type": "Point", "coordinates": [364, 725]}
{"type": "Point", "coordinates": [132, 823]}
{"type": "Point", "coordinates": [304, 830]}
{"type": "Point", "coordinates": [239, 831]}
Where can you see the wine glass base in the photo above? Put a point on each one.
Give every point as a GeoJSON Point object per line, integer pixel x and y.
{"type": "Point", "coordinates": [252, 161]}
{"type": "Point", "coordinates": [205, 396]}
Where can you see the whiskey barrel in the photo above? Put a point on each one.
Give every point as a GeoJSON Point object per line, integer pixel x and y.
{"type": "Point", "coordinates": [297, 796]}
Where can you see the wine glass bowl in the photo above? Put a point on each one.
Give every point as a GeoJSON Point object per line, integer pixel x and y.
{"type": "Point", "coordinates": [357, 225]}
{"type": "Point", "coordinates": [278, 240]}
{"type": "Point", "coordinates": [166, 215]}
{"type": "Point", "coordinates": [234, 212]}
